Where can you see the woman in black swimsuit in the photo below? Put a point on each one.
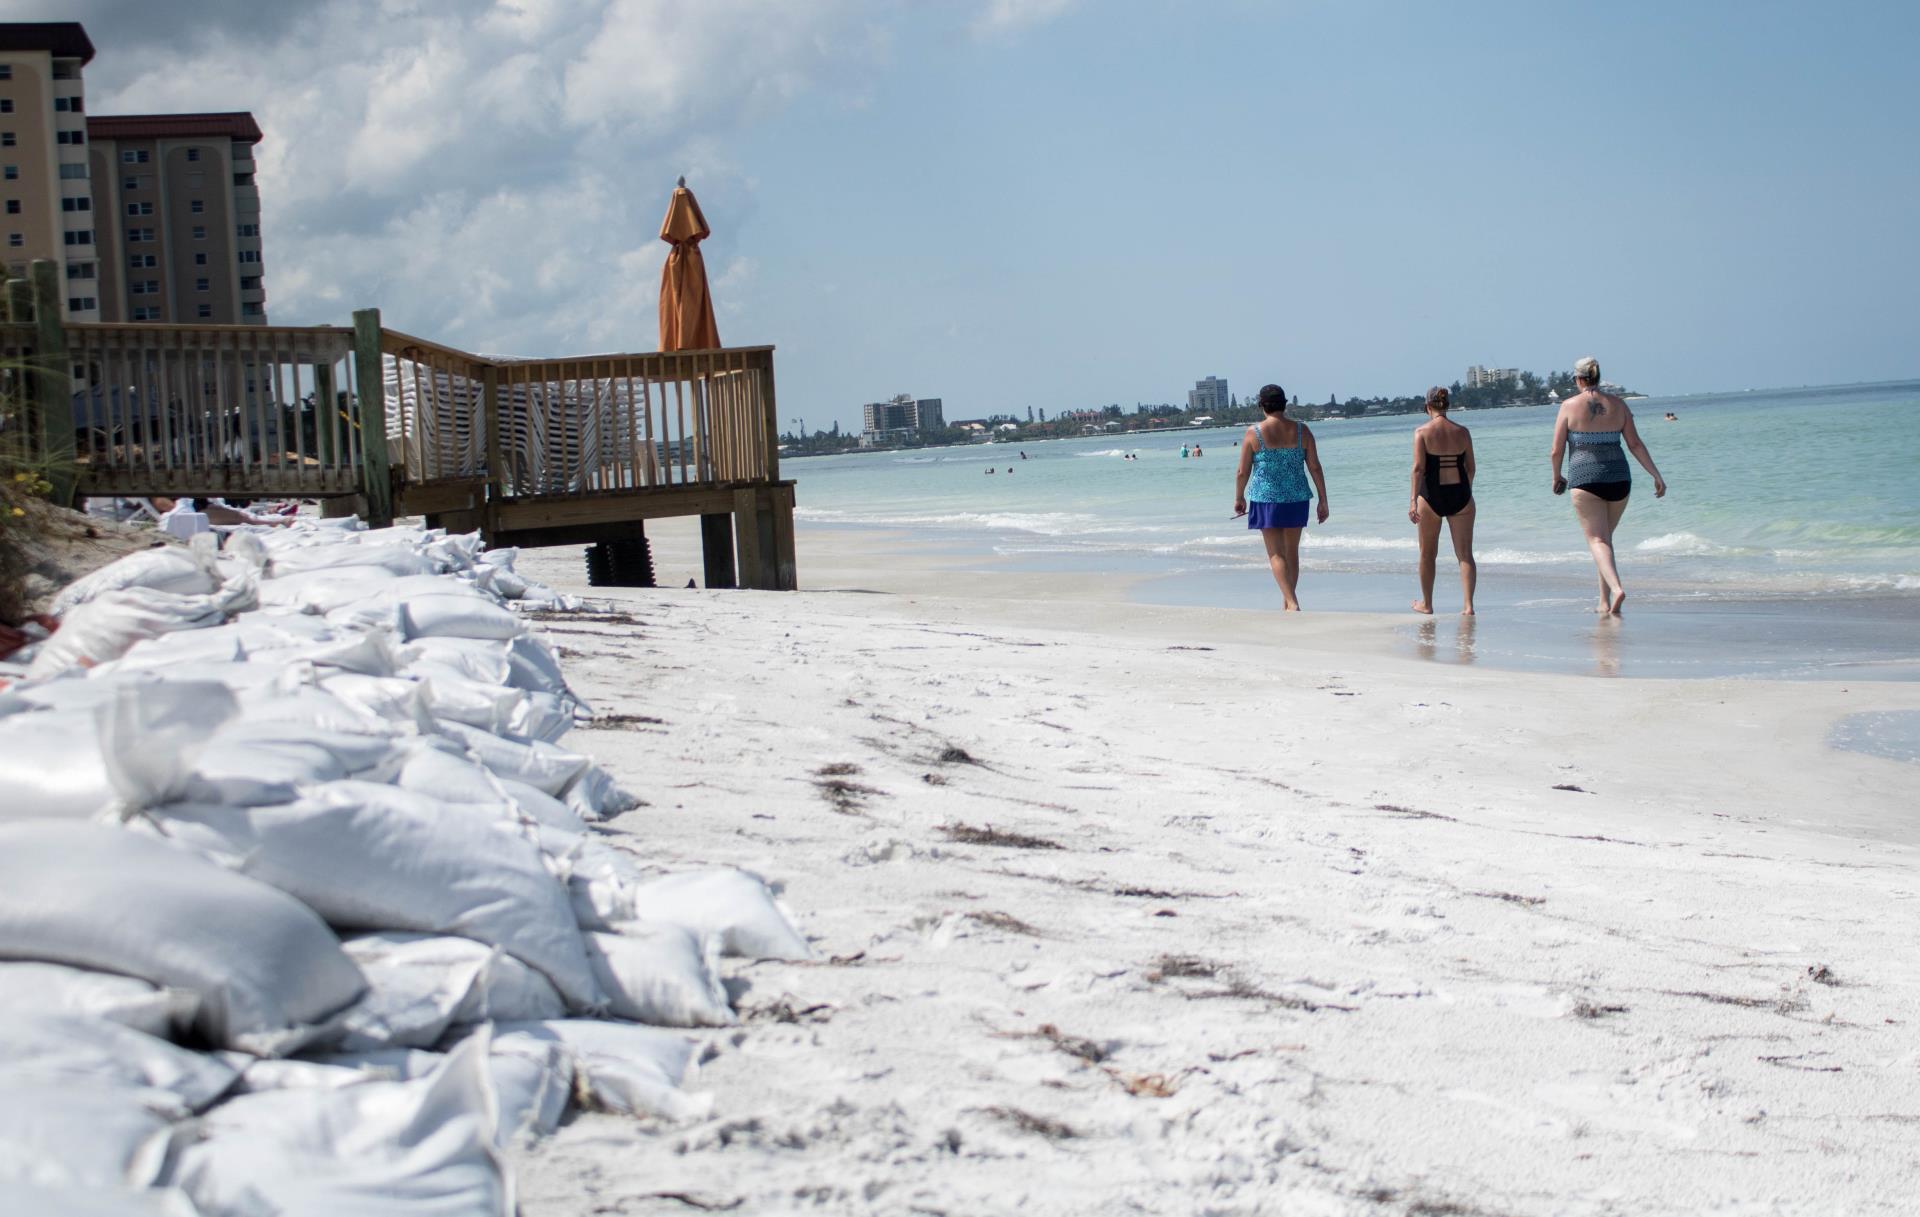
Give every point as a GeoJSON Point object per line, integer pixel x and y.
{"type": "Point", "coordinates": [1443, 490]}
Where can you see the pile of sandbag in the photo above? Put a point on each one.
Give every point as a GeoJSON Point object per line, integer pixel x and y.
{"type": "Point", "coordinates": [302, 905]}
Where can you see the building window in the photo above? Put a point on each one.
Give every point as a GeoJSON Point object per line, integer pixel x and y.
{"type": "Point", "coordinates": [249, 283]}
{"type": "Point", "coordinates": [6, 139]}
{"type": "Point", "coordinates": [139, 234]}
{"type": "Point", "coordinates": [6, 105]}
{"type": "Point", "coordinates": [249, 255]}
{"type": "Point", "coordinates": [203, 310]}
{"type": "Point", "coordinates": [199, 259]}
{"type": "Point", "coordinates": [197, 206]}
{"type": "Point", "coordinates": [69, 137]}
{"type": "Point", "coordinates": [82, 304]}
{"type": "Point", "coordinates": [6, 71]}
{"type": "Point", "coordinates": [10, 172]}
{"type": "Point", "coordinates": [139, 209]}
{"type": "Point", "coordinates": [80, 236]}
{"type": "Point", "coordinates": [199, 232]}
{"type": "Point", "coordinates": [80, 270]}
{"type": "Point", "coordinates": [13, 207]}
{"type": "Point", "coordinates": [142, 261]}
{"type": "Point", "coordinates": [203, 285]}
{"type": "Point", "coordinates": [252, 308]}
{"type": "Point", "coordinates": [16, 240]}
{"type": "Point", "coordinates": [249, 230]}
{"type": "Point", "coordinates": [66, 70]}
{"type": "Point", "coordinates": [144, 287]}
{"type": "Point", "coordinates": [134, 156]}
{"type": "Point", "coordinates": [146, 312]}
{"type": "Point", "coordinates": [83, 203]}
{"type": "Point", "coordinates": [129, 183]}
{"type": "Point", "coordinates": [68, 105]}
{"type": "Point", "coordinates": [74, 173]}
{"type": "Point", "coordinates": [193, 154]}
{"type": "Point", "coordinates": [243, 179]}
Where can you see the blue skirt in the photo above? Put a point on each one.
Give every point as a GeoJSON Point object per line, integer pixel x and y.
{"type": "Point", "coordinates": [1277, 515]}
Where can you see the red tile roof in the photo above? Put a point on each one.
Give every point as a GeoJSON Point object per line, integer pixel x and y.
{"type": "Point", "coordinates": [63, 39]}
{"type": "Point", "coordinates": [237, 125]}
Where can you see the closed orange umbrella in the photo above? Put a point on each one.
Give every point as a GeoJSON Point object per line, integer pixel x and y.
{"type": "Point", "coordinates": [686, 307]}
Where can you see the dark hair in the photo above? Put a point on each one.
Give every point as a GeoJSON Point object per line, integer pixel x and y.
{"type": "Point", "coordinates": [1438, 398]}
{"type": "Point", "coordinates": [1273, 398]}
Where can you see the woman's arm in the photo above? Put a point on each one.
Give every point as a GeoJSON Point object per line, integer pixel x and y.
{"type": "Point", "coordinates": [1313, 468]}
{"type": "Point", "coordinates": [1468, 465]}
{"type": "Point", "coordinates": [1245, 471]}
{"type": "Point", "coordinates": [1559, 449]}
{"type": "Point", "coordinates": [1419, 470]}
{"type": "Point", "coordinates": [1638, 447]}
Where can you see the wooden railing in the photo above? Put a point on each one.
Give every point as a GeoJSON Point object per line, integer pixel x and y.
{"type": "Point", "coordinates": [233, 410]}
{"type": "Point", "coordinates": [579, 425]}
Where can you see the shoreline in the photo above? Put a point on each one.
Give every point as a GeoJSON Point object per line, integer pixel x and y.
{"type": "Point", "coordinates": [1126, 904]}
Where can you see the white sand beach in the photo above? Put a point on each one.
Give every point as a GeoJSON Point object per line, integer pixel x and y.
{"type": "Point", "coordinates": [1134, 909]}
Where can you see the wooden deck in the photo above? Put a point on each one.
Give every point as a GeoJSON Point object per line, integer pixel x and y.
{"type": "Point", "coordinates": [531, 452]}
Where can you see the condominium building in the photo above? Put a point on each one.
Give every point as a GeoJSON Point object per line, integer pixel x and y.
{"type": "Point", "coordinates": [1485, 378]}
{"type": "Point", "coordinates": [1208, 394]}
{"type": "Point", "coordinates": [46, 206]}
{"type": "Point", "coordinates": [888, 422]}
{"type": "Point", "coordinates": [178, 218]}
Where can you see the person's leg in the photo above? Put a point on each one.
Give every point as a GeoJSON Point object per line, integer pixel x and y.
{"type": "Point", "coordinates": [1460, 528]}
{"type": "Point", "coordinates": [1277, 561]}
{"type": "Point", "coordinates": [1597, 517]}
{"type": "Point", "coordinates": [1290, 555]}
{"type": "Point", "coordinates": [1429, 534]}
{"type": "Point", "coordinates": [1614, 512]}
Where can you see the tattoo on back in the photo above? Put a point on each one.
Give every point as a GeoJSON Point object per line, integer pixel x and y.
{"type": "Point", "coordinates": [1596, 406]}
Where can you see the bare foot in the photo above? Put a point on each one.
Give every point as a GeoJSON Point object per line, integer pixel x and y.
{"type": "Point", "coordinates": [1602, 609]}
{"type": "Point", "coordinates": [1293, 606]}
{"type": "Point", "coordinates": [1421, 606]}
{"type": "Point", "coordinates": [1619, 598]}
{"type": "Point", "coordinates": [1467, 611]}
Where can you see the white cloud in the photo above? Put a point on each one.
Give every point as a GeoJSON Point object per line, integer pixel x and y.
{"type": "Point", "coordinates": [494, 181]}
{"type": "Point", "coordinates": [1008, 16]}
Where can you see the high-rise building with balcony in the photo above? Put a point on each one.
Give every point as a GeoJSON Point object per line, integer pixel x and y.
{"type": "Point", "coordinates": [46, 204]}
{"type": "Point", "coordinates": [1208, 394]}
{"type": "Point", "coordinates": [177, 218]}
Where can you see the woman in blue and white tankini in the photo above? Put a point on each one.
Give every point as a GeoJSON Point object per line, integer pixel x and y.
{"type": "Point", "coordinates": [1277, 456]}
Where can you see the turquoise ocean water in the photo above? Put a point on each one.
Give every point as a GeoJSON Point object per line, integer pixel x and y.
{"type": "Point", "coordinates": [1788, 543]}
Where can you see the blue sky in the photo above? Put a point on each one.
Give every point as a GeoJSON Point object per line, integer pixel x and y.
{"type": "Point", "coordinates": [1042, 202]}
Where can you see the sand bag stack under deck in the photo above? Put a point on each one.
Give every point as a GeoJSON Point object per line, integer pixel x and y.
{"type": "Point", "coordinates": [302, 906]}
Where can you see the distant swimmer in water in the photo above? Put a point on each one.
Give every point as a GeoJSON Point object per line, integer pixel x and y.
{"type": "Point", "coordinates": [1672, 417]}
{"type": "Point", "coordinates": [1277, 457]}
{"type": "Point", "coordinates": [1196, 449]}
{"type": "Point", "coordinates": [1023, 456]}
{"type": "Point", "coordinates": [1443, 490]}
{"type": "Point", "coordinates": [1183, 452]}
{"type": "Point", "coordinates": [1594, 425]}
{"type": "Point", "coordinates": [989, 470]}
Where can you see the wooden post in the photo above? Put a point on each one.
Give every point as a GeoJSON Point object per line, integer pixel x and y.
{"type": "Point", "coordinates": [716, 545]}
{"type": "Point", "coordinates": [746, 534]}
{"type": "Point", "coordinates": [53, 383]}
{"type": "Point", "coordinates": [773, 419]}
{"type": "Point", "coordinates": [496, 460]}
{"type": "Point", "coordinates": [324, 404]}
{"type": "Point", "coordinates": [371, 389]}
{"type": "Point", "coordinates": [786, 567]}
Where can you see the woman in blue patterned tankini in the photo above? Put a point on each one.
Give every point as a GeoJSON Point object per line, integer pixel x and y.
{"type": "Point", "coordinates": [1277, 456]}
{"type": "Point", "coordinates": [1594, 426]}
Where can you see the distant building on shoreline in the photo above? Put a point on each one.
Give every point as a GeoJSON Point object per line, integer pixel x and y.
{"type": "Point", "coordinates": [899, 420]}
{"type": "Point", "coordinates": [1208, 394]}
{"type": "Point", "coordinates": [1486, 378]}
{"type": "Point", "coordinates": [150, 217]}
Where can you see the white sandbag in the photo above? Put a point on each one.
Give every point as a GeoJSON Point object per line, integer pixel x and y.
{"type": "Point", "coordinates": [51, 767]}
{"type": "Point", "coordinates": [490, 707]}
{"type": "Point", "coordinates": [543, 716]}
{"type": "Point", "coordinates": [418, 985]}
{"type": "Point", "coordinates": [370, 653]}
{"type": "Point", "coordinates": [402, 559]}
{"type": "Point", "coordinates": [542, 808]}
{"type": "Point", "coordinates": [624, 1067]}
{"type": "Point", "coordinates": [373, 857]}
{"type": "Point", "coordinates": [502, 558]}
{"type": "Point", "coordinates": [312, 706]}
{"type": "Point", "coordinates": [507, 583]}
{"type": "Point", "coordinates": [268, 973]}
{"type": "Point", "coordinates": [487, 661]}
{"type": "Point", "coordinates": [443, 615]}
{"type": "Point", "coordinates": [532, 665]}
{"type": "Point", "coordinates": [600, 878]}
{"type": "Point", "coordinates": [532, 1080]}
{"type": "Point", "coordinates": [268, 761]}
{"type": "Point", "coordinates": [332, 1070]}
{"type": "Point", "coordinates": [378, 1149]}
{"type": "Point", "coordinates": [104, 627]}
{"type": "Point", "coordinates": [67, 1049]}
{"type": "Point", "coordinates": [170, 568]}
{"type": "Point", "coordinates": [438, 767]}
{"type": "Point", "coordinates": [735, 906]}
{"type": "Point", "coordinates": [32, 988]}
{"type": "Point", "coordinates": [319, 591]}
{"type": "Point", "coordinates": [395, 699]}
{"type": "Point", "coordinates": [217, 644]}
{"type": "Point", "coordinates": [79, 1135]}
{"type": "Point", "coordinates": [661, 975]}
{"type": "Point", "coordinates": [27, 1198]}
{"type": "Point", "coordinates": [594, 795]}
{"type": "Point", "coordinates": [540, 765]}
